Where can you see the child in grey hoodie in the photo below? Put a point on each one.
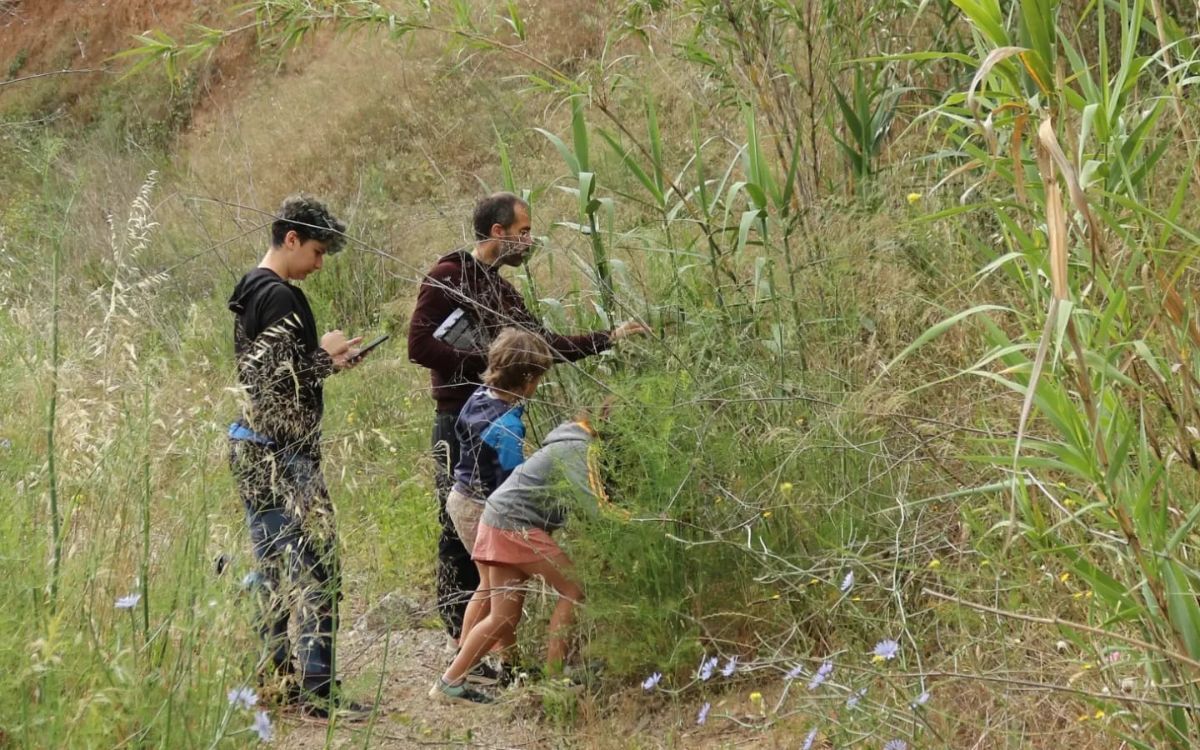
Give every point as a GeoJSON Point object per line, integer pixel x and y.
{"type": "Point", "coordinates": [514, 538]}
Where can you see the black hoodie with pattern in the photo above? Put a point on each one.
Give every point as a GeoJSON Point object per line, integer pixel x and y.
{"type": "Point", "coordinates": [280, 366]}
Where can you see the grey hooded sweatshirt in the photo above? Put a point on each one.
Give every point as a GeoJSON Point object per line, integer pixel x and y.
{"type": "Point", "coordinates": [558, 478]}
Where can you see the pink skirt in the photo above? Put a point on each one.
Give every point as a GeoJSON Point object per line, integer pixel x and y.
{"type": "Point", "coordinates": [499, 547]}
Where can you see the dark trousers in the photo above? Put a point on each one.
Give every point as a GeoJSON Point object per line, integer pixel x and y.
{"type": "Point", "coordinates": [456, 575]}
{"type": "Point", "coordinates": [292, 531]}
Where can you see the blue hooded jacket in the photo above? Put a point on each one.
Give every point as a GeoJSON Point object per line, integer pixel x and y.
{"type": "Point", "coordinates": [491, 437]}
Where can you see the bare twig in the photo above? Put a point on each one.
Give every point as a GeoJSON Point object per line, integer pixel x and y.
{"type": "Point", "coordinates": [64, 71]}
{"type": "Point", "coordinates": [1059, 622]}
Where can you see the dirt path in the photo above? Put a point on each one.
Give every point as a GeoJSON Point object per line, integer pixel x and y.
{"type": "Point", "coordinates": [399, 656]}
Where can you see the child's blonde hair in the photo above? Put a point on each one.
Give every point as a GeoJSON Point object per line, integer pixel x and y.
{"type": "Point", "coordinates": [516, 357]}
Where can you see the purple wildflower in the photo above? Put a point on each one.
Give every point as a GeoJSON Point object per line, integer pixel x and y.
{"type": "Point", "coordinates": [822, 674]}
{"type": "Point", "coordinates": [707, 667]}
{"type": "Point", "coordinates": [730, 667]}
{"type": "Point", "coordinates": [922, 699]}
{"type": "Point", "coordinates": [243, 697]}
{"type": "Point", "coordinates": [262, 725]}
{"type": "Point", "coordinates": [795, 672]}
{"type": "Point", "coordinates": [651, 682]}
{"type": "Point", "coordinates": [703, 715]}
{"type": "Point", "coordinates": [852, 701]}
{"type": "Point", "coordinates": [895, 745]}
{"type": "Point", "coordinates": [848, 582]}
{"type": "Point", "coordinates": [886, 649]}
{"type": "Point", "coordinates": [808, 741]}
{"type": "Point", "coordinates": [129, 602]}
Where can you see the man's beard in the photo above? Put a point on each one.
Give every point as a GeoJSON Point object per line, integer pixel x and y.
{"type": "Point", "coordinates": [514, 252]}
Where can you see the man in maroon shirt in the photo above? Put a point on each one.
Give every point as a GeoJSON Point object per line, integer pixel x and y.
{"type": "Point", "coordinates": [463, 304]}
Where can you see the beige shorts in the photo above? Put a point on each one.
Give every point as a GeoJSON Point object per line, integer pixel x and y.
{"type": "Point", "coordinates": [464, 513]}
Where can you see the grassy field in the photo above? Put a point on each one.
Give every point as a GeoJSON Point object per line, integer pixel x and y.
{"type": "Point", "coordinates": [924, 365]}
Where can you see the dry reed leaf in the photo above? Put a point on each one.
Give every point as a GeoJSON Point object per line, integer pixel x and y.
{"type": "Point", "coordinates": [1174, 307]}
{"type": "Point", "coordinates": [994, 57]}
{"type": "Point", "coordinates": [1056, 234]}
{"type": "Point", "coordinates": [1048, 141]}
{"type": "Point", "coordinates": [973, 164]}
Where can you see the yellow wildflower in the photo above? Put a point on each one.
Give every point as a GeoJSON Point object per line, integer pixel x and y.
{"type": "Point", "coordinates": [1099, 713]}
{"type": "Point", "coordinates": [912, 198]}
{"type": "Point", "coordinates": [785, 488]}
{"type": "Point", "coordinates": [1064, 576]}
{"type": "Point", "coordinates": [935, 563]}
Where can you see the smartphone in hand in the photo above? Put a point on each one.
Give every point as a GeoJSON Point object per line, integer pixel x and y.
{"type": "Point", "coordinates": [366, 349]}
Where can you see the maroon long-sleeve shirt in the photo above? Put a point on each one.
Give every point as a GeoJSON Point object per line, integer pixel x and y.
{"type": "Point", "coordinates": [459, 280]}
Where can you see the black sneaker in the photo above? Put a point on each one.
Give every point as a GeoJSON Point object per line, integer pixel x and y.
{"type": "Point", "coordinates": [485, 674]}
{"type": "Point", "coordinates": [522, 675]}
{"type": "Point", "coordinates": [335, 707]}
{"type": "Point", "coordinates": [448, 693]}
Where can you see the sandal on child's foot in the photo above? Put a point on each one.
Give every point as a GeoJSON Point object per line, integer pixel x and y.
{"type": "Point", "coordinates": [448, 693]}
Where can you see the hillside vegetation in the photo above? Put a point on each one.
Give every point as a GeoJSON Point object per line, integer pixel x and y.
{"type": "Point", "coordinates": [912, 450]}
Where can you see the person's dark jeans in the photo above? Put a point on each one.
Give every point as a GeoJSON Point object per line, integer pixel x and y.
{"type": "Point", "coordinates": [456, 575]}
{"type": "Point", "coordinates": [292, 530]}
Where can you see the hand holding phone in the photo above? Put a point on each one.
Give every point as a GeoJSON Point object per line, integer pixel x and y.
{"type": "Point", "coordinates": [358, 356]}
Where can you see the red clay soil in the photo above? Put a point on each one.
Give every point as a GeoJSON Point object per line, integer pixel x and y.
{"type": "Point", "coordinates": [40, 36]}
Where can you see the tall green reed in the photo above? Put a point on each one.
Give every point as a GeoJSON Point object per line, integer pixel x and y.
{"type": "Point", "coordinates": [1101, 467]}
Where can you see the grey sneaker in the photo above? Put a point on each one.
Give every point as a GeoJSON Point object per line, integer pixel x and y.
{"type": "Point", "coordinates": [448, 693]}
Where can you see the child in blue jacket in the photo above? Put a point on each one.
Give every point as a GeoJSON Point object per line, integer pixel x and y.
{"type": "Point", "coordinates": [492, 440]}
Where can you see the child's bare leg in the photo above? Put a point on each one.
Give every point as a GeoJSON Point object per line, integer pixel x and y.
{"type": "Point", "coordinates": [504, 616]}
{"type": "Point", "coordinates": [559, 572]}
{"type": "Point", "coordinates": [480, 604]}
{"type": "Point", "coordinates": [508, 639]}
